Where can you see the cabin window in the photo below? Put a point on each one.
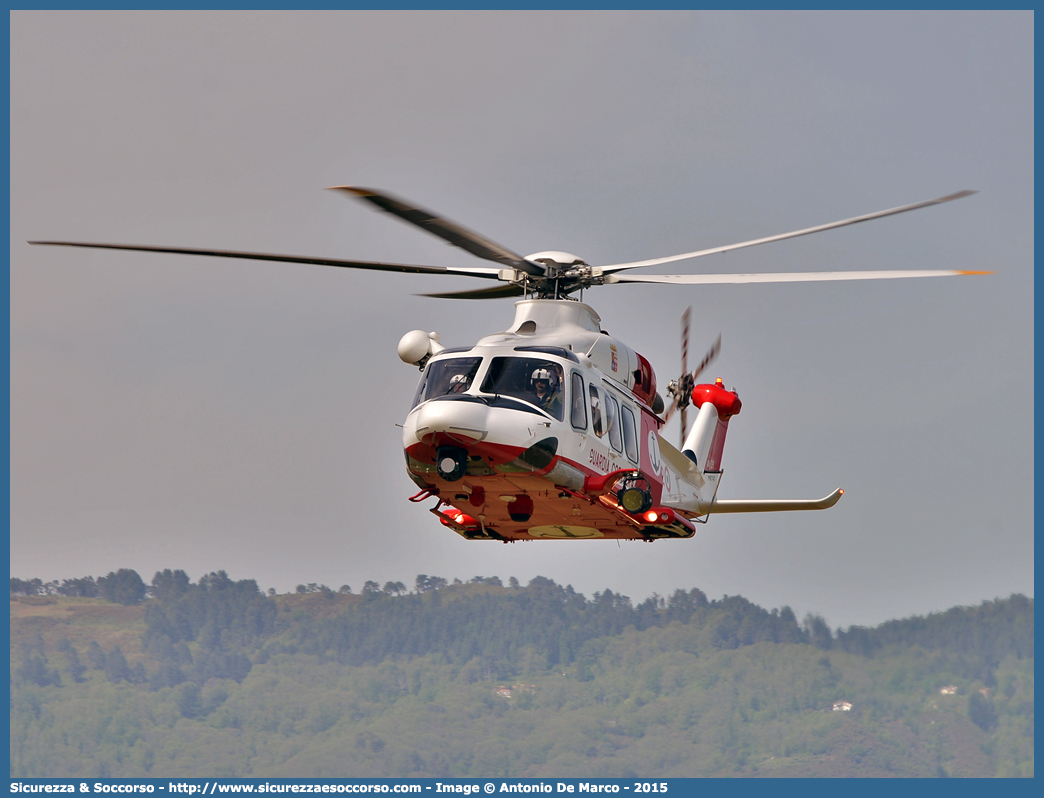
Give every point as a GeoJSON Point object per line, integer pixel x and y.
{"type": "Point", "coordinates": [629, 435]}
{"type": "Point", "coordinates": [530, 379]}
{"type": "Point", "coordinates": [612, 421]}
{"type": "Point", "coordinates": [578, 406]}
{"type": "Point", "coordinates": [597, 423]}
{"type": "Point", "coordinates": [442, 377]}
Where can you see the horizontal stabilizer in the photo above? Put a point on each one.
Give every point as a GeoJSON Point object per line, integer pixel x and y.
{"type": "Point", "coordinates": [682, 464]}
{"type": "Point", "coordinates": [768, 505]}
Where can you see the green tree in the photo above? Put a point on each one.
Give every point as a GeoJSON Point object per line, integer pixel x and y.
{"type": "Point", "coordinates": [75, 667]}
{"type": "Point", "coordinates": [95, 656]}
{"type": "Point", "coordinates": [34, 668]}
{"type": "Point", "coordinates": [818, 632]}
{"type": "Point", "coordinates": [84, 587]}
{"type": "Point", "coordinates": [122, 587]}
{"type": "Point", "coordinates": [188, 700]}
{"type": "Point", "coordinates": [116, 667]}
{"type": "Point", "coordinates": [26, 587]}
{"type": "Point", "coordinates": [982, 711]}
{"type": "Point", "coordinates": [168, 585]}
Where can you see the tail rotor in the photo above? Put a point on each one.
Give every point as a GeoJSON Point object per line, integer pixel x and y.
{"type": "Point", "coordinates": [681, 388]}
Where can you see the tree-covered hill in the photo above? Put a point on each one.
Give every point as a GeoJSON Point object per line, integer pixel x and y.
{"type": "Point", "coordinates": [478, 679]}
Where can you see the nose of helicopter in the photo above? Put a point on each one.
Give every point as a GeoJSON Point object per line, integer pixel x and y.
{"type": "Point", "coordinates": [462, 421]}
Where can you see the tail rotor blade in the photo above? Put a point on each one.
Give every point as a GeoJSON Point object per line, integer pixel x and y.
{"type": "Point", "coordinates": [686, 318]}
{"type": "Point", "coordinates": [681, 388]}
{"type": "Point", "coordinates": [707, 358]}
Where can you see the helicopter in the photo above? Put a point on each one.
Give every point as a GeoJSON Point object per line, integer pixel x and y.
{"type": "Point", "coordinates": [552, 429]}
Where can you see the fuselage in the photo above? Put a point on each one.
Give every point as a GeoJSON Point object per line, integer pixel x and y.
{"type": "Point", "coordinates": [524, 435]}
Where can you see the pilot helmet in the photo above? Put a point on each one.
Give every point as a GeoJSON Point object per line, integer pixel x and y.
{"type": "Point", "coordinates": [545, 375]}
{"type": "Point", "coordinates": [458, 382]}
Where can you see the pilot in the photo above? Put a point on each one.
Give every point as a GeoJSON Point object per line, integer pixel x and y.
{"type": "Point", "coordinates": [458, 383]}
{"type": "Point", "coordinates": [548, 397]}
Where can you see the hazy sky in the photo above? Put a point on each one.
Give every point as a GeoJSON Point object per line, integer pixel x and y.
{"type": "Point", "coordinates": [172, 412]}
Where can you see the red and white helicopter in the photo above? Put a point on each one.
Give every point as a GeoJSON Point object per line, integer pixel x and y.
{"type": "Point", "coordinates": [551, 428]}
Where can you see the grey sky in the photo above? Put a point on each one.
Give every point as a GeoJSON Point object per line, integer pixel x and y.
{"type": "Point", "coordinates": [201, 414]}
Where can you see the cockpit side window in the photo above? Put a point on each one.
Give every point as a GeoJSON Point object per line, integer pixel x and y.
{"type": "Point", "coordinates": [442, 377]}
{"type": "Point", "coordinates": [533, 380]}
{"type": "Point", "coordinates": [578, 405]}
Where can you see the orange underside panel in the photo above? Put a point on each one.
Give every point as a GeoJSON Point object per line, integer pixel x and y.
{"type": "Point", "coordinates": [556, 514]}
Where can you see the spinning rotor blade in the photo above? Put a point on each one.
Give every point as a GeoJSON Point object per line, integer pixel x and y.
{"type": "Point", "coordinates": [777, 277]}
{"type": "Point", "coordinates": [687, 380]}
{"type": "Point", "coordinates": [444, 229]}
{"type": "Point", "coordinates": [670, 412]}
{"type": "Point", "coordinates": [678, 399]}
{"type": "Point", "coordinates": [490, 274]}
{"type": "Point", "coordinates": [483, 293]}
{"type": "Point", "coordinates": [618, 267]}
{"type": "Point", "coordinates": [712, 353]}
{"type": "Point", "coordinates": [686, 318]}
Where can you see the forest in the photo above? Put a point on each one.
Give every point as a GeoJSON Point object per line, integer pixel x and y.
{"type": "Point", "coordinates": [114, 677]}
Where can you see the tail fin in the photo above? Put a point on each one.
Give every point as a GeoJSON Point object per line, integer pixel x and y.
{"type": "Point", "coordinates": [706, 441]}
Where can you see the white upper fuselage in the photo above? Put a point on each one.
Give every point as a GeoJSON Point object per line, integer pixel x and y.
{"type": "Point", "coordinates": [561, 332]}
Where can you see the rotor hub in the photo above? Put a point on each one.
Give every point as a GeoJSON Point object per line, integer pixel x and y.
{"type": "Point", "coordinates": [555, 258]}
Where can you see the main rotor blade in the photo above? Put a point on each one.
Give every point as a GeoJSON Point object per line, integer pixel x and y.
{"type": "Point", "coordinates": [779, 277]}
{"type": "Point", "coordinates": [617, 267]}
{"type": "Point", "coordinates": [483, 293]}
{"type": "Point", "coordinates": [490, 274]}
{"type": "Point", "coordinates": [444, 229]}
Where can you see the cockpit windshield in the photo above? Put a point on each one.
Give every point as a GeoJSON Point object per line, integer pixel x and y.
{"type": "Point", "coordinates": [443, 377]}
{"type": "Point", "coordinates": [530, 379]}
